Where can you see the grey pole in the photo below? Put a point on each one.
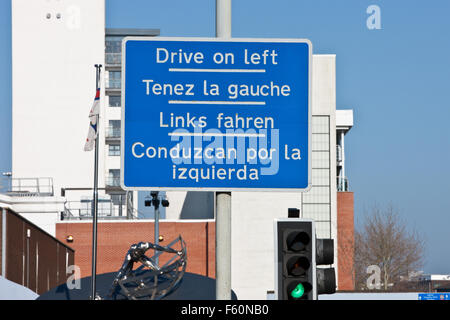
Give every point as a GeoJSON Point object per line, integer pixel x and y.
{"type": "Point", "coordinates": [223, 19]}
{"type": "Point", "coordinates": [94, 222]}
{"type": "Point", "coordinates": [157, 232]}
{"type": "Point", "coordinates": [223, 199]}
{"type": "Point", "coordinates": [223, 246]}
{"type": "Point", "coordinates": [156, 204]}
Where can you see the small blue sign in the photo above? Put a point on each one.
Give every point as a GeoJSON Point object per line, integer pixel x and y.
{"type": "Point", "coordinates": [215, 114]}
{"type": "Point", "coordinates": [434, 296]}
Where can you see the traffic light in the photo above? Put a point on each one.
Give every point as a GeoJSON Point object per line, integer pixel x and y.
{"type": "Point", "coordinates": [297, 253]}
{"type": "Point", "coordinates": [294, 259]}
{"type": "Point", "coordinates": [325, 277]}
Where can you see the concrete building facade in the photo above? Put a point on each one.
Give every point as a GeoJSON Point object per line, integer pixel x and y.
{"type": "Point", "coordinates": [55, 45]}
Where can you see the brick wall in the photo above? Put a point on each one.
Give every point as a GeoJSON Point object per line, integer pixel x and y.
{"type": "Point", "coordinates": [345, 227]}
{"type": "Point", "coordinates": [115, 238]}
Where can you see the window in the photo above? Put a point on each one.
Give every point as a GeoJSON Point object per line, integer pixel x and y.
{"type": "Point", "coordinates": [114, 101]}
{"type": "Point", "coordinates": [113, 129]}
{"type": "Point", "coordinates": [114, 124]}
{"type": "Point", "coordinates": [113, 50]}
{"type": "Point", "coordinates": [114, 79]}
{"type": "Point", "coordinates": [113, 179]}
{"type": "Point", "coordinates": [114, 149]}
{"type": "Point", "coordinates": [113, 44]}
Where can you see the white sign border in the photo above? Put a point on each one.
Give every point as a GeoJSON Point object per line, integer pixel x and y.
{"type": "Point", "coordinates": [200, 39]}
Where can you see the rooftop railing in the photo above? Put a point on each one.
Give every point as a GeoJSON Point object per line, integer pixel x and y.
{"type": "Point", "coordinates": [112, 182]}
{"type": "Point", "coordinates": [28, 187]}
{"type": "Point", "coordinates": [106, 210]}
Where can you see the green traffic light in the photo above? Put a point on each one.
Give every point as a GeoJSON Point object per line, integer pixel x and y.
{"type": "Point", "coordinates": [298, 291]}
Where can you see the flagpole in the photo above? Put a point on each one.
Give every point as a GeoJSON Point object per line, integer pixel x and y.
{"type": "Point", "coordinates": [94, 222]}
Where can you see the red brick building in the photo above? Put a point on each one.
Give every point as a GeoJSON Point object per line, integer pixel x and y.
{"type": "Point", "coordinates": [345, 239]}
{"type": "Point", "coordinates": [115, 238]}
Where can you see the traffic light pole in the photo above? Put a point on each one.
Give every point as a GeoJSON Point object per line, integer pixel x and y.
{"type": "Point", "coordinates": [156, 206]}
{"type": "Point", "coordinates": [223, 199]}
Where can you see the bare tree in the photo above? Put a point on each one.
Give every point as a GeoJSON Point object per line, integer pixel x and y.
{"type": "Point", "coordinates": [384, 240]}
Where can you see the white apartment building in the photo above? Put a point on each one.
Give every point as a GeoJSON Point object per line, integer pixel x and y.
{"type": "Point", "coordinates": [55, 47]}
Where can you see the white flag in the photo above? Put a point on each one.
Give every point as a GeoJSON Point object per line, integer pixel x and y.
{"type": "Point", "coordinates": [92, 133]}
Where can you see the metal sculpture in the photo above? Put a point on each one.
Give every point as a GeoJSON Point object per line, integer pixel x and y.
{"type": "Point", "coordinates": [149, 281]}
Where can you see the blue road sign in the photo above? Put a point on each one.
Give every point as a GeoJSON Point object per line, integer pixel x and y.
{"type": "Point", "coordinates": [215, 114]}
{"type": "Point", "coordinates": [434, 296]}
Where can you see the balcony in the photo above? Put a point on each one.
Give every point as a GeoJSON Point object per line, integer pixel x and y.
{"type": "Point", "coordinates": [342, 184]}
{"type": "Point", "coordinates": [339, 155]}
{"type": "Point", "coordinates": [113, 81]}
{"type": "Point", "coordinates": [112, 134]}
{"type": "Point", "coordinates": [112, 182]}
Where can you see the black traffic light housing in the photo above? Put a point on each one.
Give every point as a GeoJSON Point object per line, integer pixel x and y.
{"type": "Point", "coordinates": [156, 200]}
{"type": "Point", "coordinates": [297, 254]}
{"type": "Point", "coordinates": [294, 259]}
{"type": "Point", "coordinates": [326, 277]}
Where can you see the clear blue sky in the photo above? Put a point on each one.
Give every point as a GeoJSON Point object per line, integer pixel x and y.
{"type": "Point", "coordinates": [395, 79]}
